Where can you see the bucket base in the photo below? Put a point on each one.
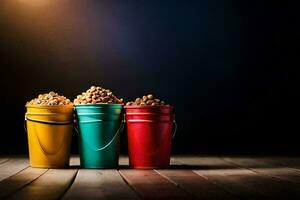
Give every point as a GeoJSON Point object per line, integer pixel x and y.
{"type": "Point", "coordinates": [49, 166]}
{"type": "Point", "coordinates": [97, 167]}
{"type": "Point", "coordinates": [150, 167]}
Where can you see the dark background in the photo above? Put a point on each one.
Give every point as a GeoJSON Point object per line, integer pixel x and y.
{"type": "Point", "coordinates": [221, 63]}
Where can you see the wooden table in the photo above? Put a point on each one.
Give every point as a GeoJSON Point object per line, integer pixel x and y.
{"type": "Point", "coordinates": [189, 177]}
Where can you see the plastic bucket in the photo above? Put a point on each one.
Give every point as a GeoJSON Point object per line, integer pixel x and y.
{"type": "Point", "coordinates": [99, 127]}
{"type": "Point", "coordinates": [49, 130]}
{"type": "Point", "coordinates": [149, 130]}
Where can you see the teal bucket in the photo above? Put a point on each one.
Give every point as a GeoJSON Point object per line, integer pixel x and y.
{"type": "Point", "coordinates": [99, 127]}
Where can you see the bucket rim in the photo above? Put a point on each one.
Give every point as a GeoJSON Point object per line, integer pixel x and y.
{"type": "Point", "coordinates": [149, 106]}
{"type": "Point", "coordinates": [48, 106]}
{"type": "Point", "coordinates": [99, 105]}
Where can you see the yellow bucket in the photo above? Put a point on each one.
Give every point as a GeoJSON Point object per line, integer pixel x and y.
{"type": "Point", "coordinates": [49, 130]}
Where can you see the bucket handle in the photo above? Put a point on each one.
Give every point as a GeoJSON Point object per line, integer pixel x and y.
{"type": "Point", "coordinates": [48, 122]}
{"type": "Point", "coordinates": [174, 122]}
{"type": "Point", "coordinates": [45, 122]}
{"type": "Point", "coordinates": [120, 129]}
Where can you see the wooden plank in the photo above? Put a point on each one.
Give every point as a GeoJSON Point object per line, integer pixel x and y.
{"type": "Point", "coordinates": [244, 183]}
{"type": "Point", "coordinates": [148, 184]}
{"type": "Point", "coordinates": [174, 163]}
{"type": "Point", "coordinates": [195, 184]}
{"type": "Point", "coordinates": [124, 162]}
{"type": "Point", "coordinates": [240, 182]}
{"type": "Point", "coordinates": [200, 162]}
{"type": "Point", "coordinates": [291, 162]}
{"type": "Point", "coordinates": [19, 180]}
{"type": "Point", "coordinates": [266, 168]}
{"type": "Point", "coordinates": [12, 166]}
{"type": "Point", "coordinates": [74, 161]}
{"type": "Point", "coordinates": [261, 162]}
{"type": "Point", "coordinates": [219, 172]}
{"type": "Point", "coordinates": [3, 160]}
{"type": "Point", "coordinates": [99, 184]}
{"type": "Point", "coordinates": [51, 185]}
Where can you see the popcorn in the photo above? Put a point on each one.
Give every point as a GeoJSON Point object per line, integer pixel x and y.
{"type": "Point", "coordinates": [146, 100]}
{"type": "Point", "coordinates": [50, 99]}
{"type": "Point", "coordinates": [97, 95]}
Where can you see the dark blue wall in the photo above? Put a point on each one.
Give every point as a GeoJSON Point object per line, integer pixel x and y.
{"type": "Point", "coordinates": [219, 62]}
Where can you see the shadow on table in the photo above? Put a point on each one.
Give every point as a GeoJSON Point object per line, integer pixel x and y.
{"type": "Point", "coordinates": [200, 167]}
{"type": "Point", "coordinates": [194, 167]}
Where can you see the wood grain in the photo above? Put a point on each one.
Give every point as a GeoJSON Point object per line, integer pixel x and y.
{"type": "Point", "coordinates": [124, 161]}
{"type": "Point", "coordinates": [189, 177]}
{"type": "Point", "coordinates": [12, 166]}
{"type": "Point", "coordinates": [74, 161]}
{"type": "Point", "coordinates": [19, 180]}
{"type": "Point", "coordinates": [99, 184]}
{"type": "Point", "coordinates": [51, 185]}
{"type": "Point", "coordinates": [201, 162]}
{"type": "Point", "coordinates": [291, 162]}
{"type": "Point", "coordinates": [3, 160]}
{"type": "Point", "coordinates": [219, 172]}
{"type": "Point", "coordinates": [242, 182]}
{"type": "Point", "coordinates": [150, 185]}
{"type": "Point", "coordinates": [195, 184]}
{"type": "Point", "coordinates": [266, 168]}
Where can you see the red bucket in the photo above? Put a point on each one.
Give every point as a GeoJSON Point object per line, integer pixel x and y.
{"type": "Point", "coordinates": [149, 131]}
